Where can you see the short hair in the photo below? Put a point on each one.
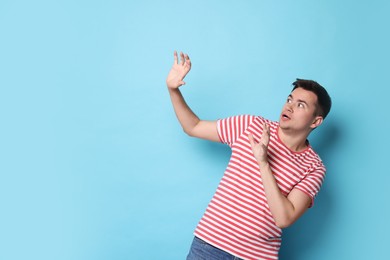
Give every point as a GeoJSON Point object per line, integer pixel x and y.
{"type": "Point", "coordinates": [323, 99]}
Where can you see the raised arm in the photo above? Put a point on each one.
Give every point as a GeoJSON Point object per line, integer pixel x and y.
{"type": "Point", "coordinates": [190, 122]}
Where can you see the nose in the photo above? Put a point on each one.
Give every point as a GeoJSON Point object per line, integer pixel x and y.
{"type": "Point", "coordinates": [289, 107]}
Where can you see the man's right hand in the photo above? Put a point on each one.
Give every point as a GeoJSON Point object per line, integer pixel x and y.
{"type": "Point", "coordinates": [178, 71]}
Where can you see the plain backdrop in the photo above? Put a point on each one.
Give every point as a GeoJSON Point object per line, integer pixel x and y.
{"type": "Point", "coordinates": [94, 165]}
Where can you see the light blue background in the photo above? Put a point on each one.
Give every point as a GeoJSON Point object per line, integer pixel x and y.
{"type": "Point", "coordinates": [94, 164]}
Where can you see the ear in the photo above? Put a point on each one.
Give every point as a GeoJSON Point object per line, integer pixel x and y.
{"type": "Point", "coordinates": [317, 122]}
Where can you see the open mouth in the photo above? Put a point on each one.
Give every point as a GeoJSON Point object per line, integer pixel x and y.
{"type": "Point", "coordinates": [284, 116]}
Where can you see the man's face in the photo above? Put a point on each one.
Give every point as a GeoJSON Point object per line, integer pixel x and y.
{"type": "Point", "coordinates": [299, 112]}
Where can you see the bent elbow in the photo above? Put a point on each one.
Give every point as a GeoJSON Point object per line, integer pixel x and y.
{"type": "Point", "coordinates": [284, 223]}
{"type": "Point", "coordinates": [188, 132]}
{"type": "Point", "coordinates": [191, 130]}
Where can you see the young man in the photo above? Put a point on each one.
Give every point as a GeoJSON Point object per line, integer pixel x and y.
{"type": "Point", "coordinates": [272, 177]}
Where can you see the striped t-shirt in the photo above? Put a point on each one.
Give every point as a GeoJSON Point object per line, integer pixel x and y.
{"type": "Point", "coordinates": [238, 219]}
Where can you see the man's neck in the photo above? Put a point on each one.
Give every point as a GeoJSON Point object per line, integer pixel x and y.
{"type": "Point", "coordinates": [295, 142]}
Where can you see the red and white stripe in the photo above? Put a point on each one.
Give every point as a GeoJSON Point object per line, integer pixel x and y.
{"type": "Point", "coordinates": [238, 219]}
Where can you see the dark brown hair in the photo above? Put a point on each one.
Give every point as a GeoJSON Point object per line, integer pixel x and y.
{"type": "Point", "coordinates": [323, 99]}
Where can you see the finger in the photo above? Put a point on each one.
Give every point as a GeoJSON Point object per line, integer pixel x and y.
{"type": "Point", "coordinates": [267, 128]}
{"type": "Point", "coordinates": [175, 57]}
{"type": "Point", "coordinates": [182, 58]}
{"type": "Point", "coordinates": [188, 60]}
{"type": "Point", "coordinates": [187, 57]}
{"type": "Point", "coordinates": [266, 134]}
{"type": "Point", "coordinates": [251, 140]}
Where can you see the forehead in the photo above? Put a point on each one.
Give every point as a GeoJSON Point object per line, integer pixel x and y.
{"type": "Point", "coordinates": [304, 95]}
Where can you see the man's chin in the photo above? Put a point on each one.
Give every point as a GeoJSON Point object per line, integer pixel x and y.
{"type": "Point", "coordinates": [284, 125]}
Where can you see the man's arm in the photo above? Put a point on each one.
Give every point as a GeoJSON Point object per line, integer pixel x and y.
{"type": "Point", "coordinates": [285, 210]}
{"type": "Point", "coordinates": [189, 121]}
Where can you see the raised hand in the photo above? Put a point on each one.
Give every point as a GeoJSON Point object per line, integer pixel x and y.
{"type": "Point", "coordinates": [178, 71]}
{"type": "Point", "coordinates": [260, 148]}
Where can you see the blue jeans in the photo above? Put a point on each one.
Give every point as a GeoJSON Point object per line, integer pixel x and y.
{"type": "Point", "coordinates": [200, 250]}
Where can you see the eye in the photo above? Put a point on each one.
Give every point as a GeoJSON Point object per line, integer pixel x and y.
{"type": "Point", "coordinates": [288, 100]}
{"type": "Point", "coordinates": [301, 105]}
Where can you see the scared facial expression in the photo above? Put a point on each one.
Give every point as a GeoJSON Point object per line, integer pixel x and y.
{"type": "Point", "coordinates": [299, 112]}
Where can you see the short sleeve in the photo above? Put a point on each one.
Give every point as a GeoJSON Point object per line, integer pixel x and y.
{"type": "Point", "coordinates": [312, 182]}
{"type": "Point", "coordinates": [231, 128]}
